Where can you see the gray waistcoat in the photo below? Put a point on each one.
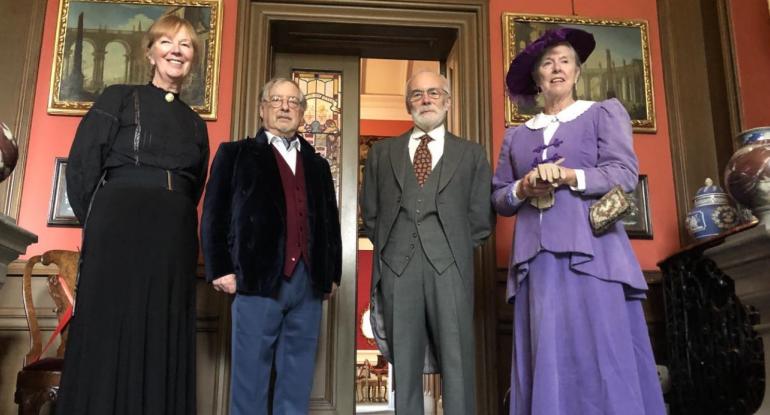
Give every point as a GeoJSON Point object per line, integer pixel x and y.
{"type": "Point", "coordinates": [418, 227]}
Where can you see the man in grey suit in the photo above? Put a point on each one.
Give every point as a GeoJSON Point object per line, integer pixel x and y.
{"type": "Point", "coordinates": [425, 203]}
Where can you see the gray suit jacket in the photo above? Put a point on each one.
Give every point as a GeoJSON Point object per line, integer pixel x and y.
{"type": "Point", "coordinates": [463, 200]}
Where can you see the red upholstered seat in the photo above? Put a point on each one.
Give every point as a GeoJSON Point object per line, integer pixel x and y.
{"type": "Point", "coordinates": [38, 381]}
{"type": "Point", "coordinates": [48, 363]}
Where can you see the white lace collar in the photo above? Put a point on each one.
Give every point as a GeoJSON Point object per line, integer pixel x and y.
{"type": "Point", "coordinates": [573, 111]}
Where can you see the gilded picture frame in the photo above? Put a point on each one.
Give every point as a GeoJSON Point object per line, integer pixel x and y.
{"type": "Point", "coordinates": [60, 211]}
{"type": "Point", "coordinates": [99, 43]}
{"type": "Point", "coordinates": [619, 66]}
{"type": "Point", "coordinates": [638, 223]}
{"type": "Point", "coordinates": [365, 325]}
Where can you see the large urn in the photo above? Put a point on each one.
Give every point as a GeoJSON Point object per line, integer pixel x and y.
{"type": "Point", "coordinates": [747, 175]}
{"type": "Point", "coordinates": [9, 152]}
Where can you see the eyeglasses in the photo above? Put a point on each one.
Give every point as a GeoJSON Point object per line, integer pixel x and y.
{"type": "Point", "coordinates": [433, 93]}
{"type": "Point", "coordinates": [277, 101]}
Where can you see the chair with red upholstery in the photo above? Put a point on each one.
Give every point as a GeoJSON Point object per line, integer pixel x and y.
{"type": "Point", "coordinates": [38, 381]}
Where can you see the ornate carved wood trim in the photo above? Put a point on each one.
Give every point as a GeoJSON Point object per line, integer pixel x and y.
{"type": "Point", "coordinates": [716, 358]}
{"type": "Point", "coordinates": [730, 69]}
{"type": "Point", "coordinates": [19, 110]}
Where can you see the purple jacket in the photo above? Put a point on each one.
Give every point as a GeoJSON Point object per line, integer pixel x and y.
{"type": "Point", "coordinates": [598, 141]}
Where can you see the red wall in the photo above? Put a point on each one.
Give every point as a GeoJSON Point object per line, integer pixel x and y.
{"type": "Point", "coordinates": [51, 135]}
{"type": "Point", "coordinates": [364, 278]}
{"type": "Point", "coordinates": [653, 150]}
{"type": "Point", "coordinates": [384, 128]}
{"type": "Point", "coordinates": [751, 37]}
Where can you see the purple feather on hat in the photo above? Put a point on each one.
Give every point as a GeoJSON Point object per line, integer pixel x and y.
{"type": "Point", "coordinates": [521, 86]}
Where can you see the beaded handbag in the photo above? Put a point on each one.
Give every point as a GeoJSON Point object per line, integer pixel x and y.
{"type": "Point", "coordinates": [610, 208]}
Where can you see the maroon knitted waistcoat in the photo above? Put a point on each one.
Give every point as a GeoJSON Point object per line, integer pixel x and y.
{"type": "Point", "coordinates": [296, 213]}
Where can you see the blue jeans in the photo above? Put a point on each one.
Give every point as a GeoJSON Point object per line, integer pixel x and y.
{"type": "Point", "coordinates": [287, 328]}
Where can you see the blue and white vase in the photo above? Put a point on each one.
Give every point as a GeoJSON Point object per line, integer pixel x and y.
{"type": "Point", "coordinates": [712, 212]}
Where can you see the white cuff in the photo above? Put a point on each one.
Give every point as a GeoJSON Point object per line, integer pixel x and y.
{"type": "Point", "coordinates": [580, 176]}
{"type": "Point", "coordinates": [515, 199]}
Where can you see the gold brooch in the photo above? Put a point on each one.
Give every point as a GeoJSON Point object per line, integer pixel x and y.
{"type": "Point", "coordinates": [169, 97]}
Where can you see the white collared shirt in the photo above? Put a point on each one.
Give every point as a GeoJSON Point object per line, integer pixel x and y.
{"type": "Point", "coordinates": [288, 154]}
{"type": "Point", "coordinates": [435, 146]}
{"type": "Point", "coordinates": [550, 123]}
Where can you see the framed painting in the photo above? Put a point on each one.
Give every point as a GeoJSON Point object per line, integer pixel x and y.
{"type": "Point", "coordinates": [638, 223]}
{"type": "Point", "coordinates": [619, 66]}
{"type": "Point", "coordinates": [99, 43]}
{"type": "Point", "coordinates": [60, 212]}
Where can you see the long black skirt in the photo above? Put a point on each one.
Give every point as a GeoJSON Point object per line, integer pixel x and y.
{"type": "Point", "coordinates": [131, 347]}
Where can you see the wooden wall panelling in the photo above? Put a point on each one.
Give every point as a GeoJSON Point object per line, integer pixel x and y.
{"type": "Point", "coordinates": [729, 66]}
{"type": "Point", "coordinates": [504, 347]}
{"type": "Point", "coordinates": [701, 100]}
{"type": "Point", "coordinates": [720, 70]}
{"type": "Point", "coordinates": [212, 339]}
{"type": "Point", "coordinates": [212, 350]}
{"type": "Point", "coordinates": [655, 315]}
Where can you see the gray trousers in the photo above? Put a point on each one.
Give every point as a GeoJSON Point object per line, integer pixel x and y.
{"type": "Point", "coordinates": [421, 308]}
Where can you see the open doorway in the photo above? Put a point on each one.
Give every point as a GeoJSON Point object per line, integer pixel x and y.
{"type": "Point", "coordinates": [351, 103]}
{"type": "Point", "coordinates": [365, 29]}
{"type": "Point", "coordinates": [383, 115]}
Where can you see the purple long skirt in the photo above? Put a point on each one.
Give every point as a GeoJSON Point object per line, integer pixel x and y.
{"type": "Point", "coordinates": [580, 346]}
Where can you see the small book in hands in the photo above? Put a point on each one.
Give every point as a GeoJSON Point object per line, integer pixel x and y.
{"type": "Point", "coordinates": [610, 208]}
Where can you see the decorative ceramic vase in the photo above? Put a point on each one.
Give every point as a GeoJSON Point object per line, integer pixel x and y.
{"type": "Point", "coordinates": [712, 212]}
{"type": "Point", "coordinates": [9, 152]}
{"type": "Point", "coordinates": [747, 175]}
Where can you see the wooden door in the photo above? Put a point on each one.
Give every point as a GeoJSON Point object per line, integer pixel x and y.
{"type": "Point", "coordinates": [331, 87]}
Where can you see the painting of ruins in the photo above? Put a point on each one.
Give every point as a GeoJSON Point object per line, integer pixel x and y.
{"type": "Point", "coordinates": [100, 43]}
{"type": "Point", "coordinates": [619, 67]}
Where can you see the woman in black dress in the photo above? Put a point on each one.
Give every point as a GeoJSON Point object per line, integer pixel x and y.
{"type": "Point", "coordinates": [135, 175]}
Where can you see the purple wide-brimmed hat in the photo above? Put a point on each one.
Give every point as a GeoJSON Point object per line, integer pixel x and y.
{"type": "Point", "coordinates": [521, 85]}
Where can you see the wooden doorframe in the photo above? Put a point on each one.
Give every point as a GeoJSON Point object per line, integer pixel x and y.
{"type": "Point", "coordinates": [470, 19]}
{"type": "Point", "coordinates": [25, 22]}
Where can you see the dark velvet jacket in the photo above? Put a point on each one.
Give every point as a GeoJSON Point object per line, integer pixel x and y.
{"type": "Point", "coordinates": [243, 228]}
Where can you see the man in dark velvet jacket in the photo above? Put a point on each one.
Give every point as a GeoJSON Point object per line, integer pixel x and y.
{"type": "Point", "coordinates": [271, 235]}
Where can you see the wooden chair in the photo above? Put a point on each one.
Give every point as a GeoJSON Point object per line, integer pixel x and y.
{"type": "Point", "coordinates": [38, 381]}
{"type": "Point", "coordinates": [363, 374]}
{"type": "Point", "coordinates": [381, 372]}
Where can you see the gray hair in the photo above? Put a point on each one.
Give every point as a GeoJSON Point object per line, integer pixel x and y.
{"type": "Point", "coordinates": [280, 80]}
{"type": "Point", "coordinates": [536, 74]}
{"type": "Point", "coordinates": [444, 81]}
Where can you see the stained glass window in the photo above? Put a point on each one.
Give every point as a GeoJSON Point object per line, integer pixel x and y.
{"type": "Point", "coordinates": [322, 126]}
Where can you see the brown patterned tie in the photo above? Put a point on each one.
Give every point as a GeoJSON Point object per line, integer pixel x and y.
{"type": "Point", "coordinates": [422, 160]}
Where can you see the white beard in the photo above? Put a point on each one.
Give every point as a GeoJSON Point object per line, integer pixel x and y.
{"type": "Point", "coordinates": [428, 121]}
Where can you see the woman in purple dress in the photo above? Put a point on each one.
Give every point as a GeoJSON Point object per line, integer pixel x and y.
{"type": "Point", "coordinates": [580, 339]}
